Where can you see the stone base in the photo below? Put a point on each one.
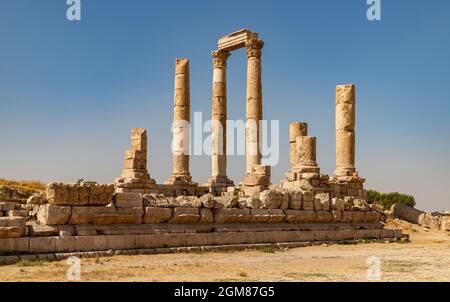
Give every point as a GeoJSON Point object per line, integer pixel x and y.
{"type": "Point", "coordinates": [56, 246]}
{"type": "Point", "coordinates": [218, 184]}
{"type": "Point", "coordinates": [183, 180]}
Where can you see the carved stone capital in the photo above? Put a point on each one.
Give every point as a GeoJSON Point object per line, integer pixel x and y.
{"type": "Point", "coordinates": [254, 48]}
{"type": "Point", "coordinates": [220, 58]}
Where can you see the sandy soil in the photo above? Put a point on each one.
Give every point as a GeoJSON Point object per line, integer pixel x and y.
{"type": "Point", "coordinates": [425, 258]}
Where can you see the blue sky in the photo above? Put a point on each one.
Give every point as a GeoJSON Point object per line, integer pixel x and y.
{"type": "Point", "coordinates": [71, 91]}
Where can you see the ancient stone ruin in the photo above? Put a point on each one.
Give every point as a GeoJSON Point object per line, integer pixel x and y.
{"type": "Point", "coordinates": [135, 214]}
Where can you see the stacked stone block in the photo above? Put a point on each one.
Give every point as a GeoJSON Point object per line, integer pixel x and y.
{"type": "Point", "coordinates": [135, 177]}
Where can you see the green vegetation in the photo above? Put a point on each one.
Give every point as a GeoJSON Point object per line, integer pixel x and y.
{"type": "Point", "coordinates": [89, 182]}
{"type": "Point", "coordinates": [388, 199]}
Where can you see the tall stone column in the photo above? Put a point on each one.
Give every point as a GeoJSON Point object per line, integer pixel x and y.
{"type": "Point", "coordinates": [254, 103]}
{"type": "Point", "coordinates": [219, 118]}
{"type": "Point", "coordinates": [345, 133]}
{"type": "Point", "coordinates": [296, 129]}
{"type": "Point", "coordinates": [181, 125]}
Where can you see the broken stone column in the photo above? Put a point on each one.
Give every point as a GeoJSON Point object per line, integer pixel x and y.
{"type": "Point", "coordinates": [181, 126]}
{"type": "Point", "coordinates": [345, 133]}
{"type": "Point", "coordinates": [296, 129]}
{"type": "Point", "coordinates": [219, 177]}
{"type": "Point", "coordinates": [254, 103]}
{"type": "Point", "coordinates": [306, 150]}
{"type": "Point", "coordinates": [134, 174]}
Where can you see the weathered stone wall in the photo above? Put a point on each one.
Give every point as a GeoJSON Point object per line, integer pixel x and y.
{"type": "Point", "coordinates": [79, 194]}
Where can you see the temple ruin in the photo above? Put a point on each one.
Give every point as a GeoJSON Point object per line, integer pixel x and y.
{"type": "Point", "coordinates": [139, 215]}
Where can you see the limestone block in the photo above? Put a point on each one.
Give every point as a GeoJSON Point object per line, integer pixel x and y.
{"type": "Point", "coordinates": [304, 185]}
{"type": "Point", "coordinates": [50, 214]}
{"type": "Point", "coordinates": [259, 215]}
{"type": "Point", "coordinates": [276, 215]}
{"type": "Point", "coordinates": [157, 215]}
{"type": "Point", "coordinates": [242, 203]}
{"type": "Point", "coordinates": [308, 205]}
{"type": "Point", "coordinates": [337, 215]}
{"type": "Point", "coordinates": [79, 194]}
{"type": "Point", "coordinates": [185, 215]}
{"type": "Point", "coordinates": [40, 245]}
{"type": "Point", "coordinates": [324, 199]}
{"type": "Point", "coordinates": [92, 215]}
{"type": "Point", "coordinates": [408, 213]}
{"type": "Point", "coordinates": [285, 200]}
{"type": "Point", "coordinates": [42, 230]}
{"type": "Point", "coordinates": [432, 222]}
{"type": "Point", "coordinates": [208, 201]}
{"type": "Point", "coordinates": [232, 216]}
{"type": "Point", "coordinates": [149, 200]}
{"type": "Point", "coordinates": [324, 216]}
{"type": "Point", "coordinates": [300, 216]}
{"type": "Point", "coordinates": [347, 216]}
{"type": "Point", "coordinates": [85, 230]}
{"type": "Point", "coordinates": [254, 202]}
{"type": "Point", "coordinates": [12, 231]}
{"type": "Point", "coordinates": [337, 204]}
{"type": "Point", "coordinates": [445, 223]}
{"type": "Point", "coordinates": [372, 216]}
{"type": "Point", "coordinates": [317, 204]}
{"type": "Point", "coordinates": [129, 215]}
{"type": "Point", "coordinates": [357, 216]}
{"type": "Point", "coordinates": [127, 200]}
{"type": "Point", "coordinates": [360, 205]}
{"type": "Point", "coordinates": [348, 203]}
{"type": "Point", "coordinates": [226, 201]}
{"type": "Point", "coordinates": [271, 199]}
{"type": "Point", "coordinates": [65, 230]}
{"type": "Point", "coordinates": [296, 200]}
{"type": "Point", "coordinates": [14, 245]}
{"type": "Point", "coordinates": [35, 199]}
{"type": "Point", "coordinates": [206, 216]}
{"type": "Point", "coordinates": [12, 221]}
{"type": "Point", "coordinates": [162, 202]}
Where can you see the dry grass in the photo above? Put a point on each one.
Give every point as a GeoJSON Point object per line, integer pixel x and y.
{"type": "Point", "coordinates": [32, 185]}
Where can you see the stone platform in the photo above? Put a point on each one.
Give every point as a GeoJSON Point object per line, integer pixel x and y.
{"type": "Point", "coordinates": [160, 236]}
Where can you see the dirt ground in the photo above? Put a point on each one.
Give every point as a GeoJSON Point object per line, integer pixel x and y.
{"type": "Point", "coordinates": [425, 258]}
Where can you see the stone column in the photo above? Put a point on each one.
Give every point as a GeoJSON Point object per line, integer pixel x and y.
{"type": "Point", "coordinates": [181, 125]}
{"type": "Point", "coordinates": [345, 132]}
{"type": "Point", "coordinates": [134, 174]}
{"type": "Point", "coordinates": [219, 117]}
{"type": "Point", "coordinates": [254, 103]}
{"type": "Point", "coordinates": [306, 150]}
{"type": "Point", "coordinates": [296, 129]}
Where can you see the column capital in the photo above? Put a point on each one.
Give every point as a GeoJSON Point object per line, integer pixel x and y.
{"type": "Point", "coordinates": [220, 58]}
{"type": "Point", "coordinates": [254, 48]}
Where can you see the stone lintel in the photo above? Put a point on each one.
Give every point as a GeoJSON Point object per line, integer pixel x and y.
{"type": "Point", "coordinates": [236, 40]}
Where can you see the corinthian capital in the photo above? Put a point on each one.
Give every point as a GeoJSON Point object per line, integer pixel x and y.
{"type": "Point", "coordinates": [220, 58]}
{"type": "Point", "coordinates": [254, 48]}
